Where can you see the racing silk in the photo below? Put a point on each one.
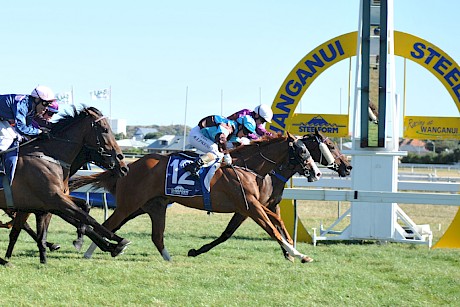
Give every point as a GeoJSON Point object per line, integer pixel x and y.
{"type": "Point", "coordinates": [260, 129]}
{"type": "Point", "coordinates": [19, 111]}
{"type": "Point", "coordinates": [219, 129]}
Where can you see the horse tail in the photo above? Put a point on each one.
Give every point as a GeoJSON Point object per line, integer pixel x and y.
{"type": "Point", "coordinates": [106, 180]}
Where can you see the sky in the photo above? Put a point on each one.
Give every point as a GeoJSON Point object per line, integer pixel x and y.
{"type": "Point", "coordinates": [175, 62]}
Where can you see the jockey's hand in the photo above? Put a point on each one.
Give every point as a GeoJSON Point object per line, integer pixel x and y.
{"type": "Point", "coordinates": [45, 135]}
{"type": "Point", "coordinates": [227, 159]}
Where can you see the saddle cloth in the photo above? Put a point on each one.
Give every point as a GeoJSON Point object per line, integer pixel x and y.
{"type": "Point", "coordinates": [181, 183]}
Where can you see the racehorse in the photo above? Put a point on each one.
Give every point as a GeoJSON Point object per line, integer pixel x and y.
{"type": "Point", "coordinates": [41, 178]}
{"type": "Point", "coordinates": [273, 184]}
{"type": "Point", "coordinates": [19, 219]}
{"type": "Point", "coordinates": [232, 189]}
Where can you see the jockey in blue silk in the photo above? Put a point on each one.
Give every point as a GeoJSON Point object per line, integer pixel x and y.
{"type": "Point", "coordinates": [16, 122]}
{"type": "Point", "coordinates": [211, 136]}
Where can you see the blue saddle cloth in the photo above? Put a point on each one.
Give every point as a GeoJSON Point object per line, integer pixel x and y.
{"type": "Point", "coordinates": [181, 183]}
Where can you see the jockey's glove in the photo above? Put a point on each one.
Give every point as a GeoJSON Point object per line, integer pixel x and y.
{"type": "Point", "coordinates": [45, 135]}
{"type": "Point", "coordinates": [227, 159]}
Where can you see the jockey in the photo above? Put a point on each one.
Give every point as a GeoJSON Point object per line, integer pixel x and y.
{"type": "Point", "coordinates": [44, 121]}
{"type": "Point", "coordinates": [16, 116]}
{"type": "Point", "coordinates": [261, 114]}
{"type": "Point", "coordinates": [211, 136]}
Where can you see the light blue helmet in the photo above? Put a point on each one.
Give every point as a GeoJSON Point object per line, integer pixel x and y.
{"type": "Point", "coordinates": [248, 122]}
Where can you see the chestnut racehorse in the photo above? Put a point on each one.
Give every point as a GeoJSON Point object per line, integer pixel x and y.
{"type": "Point", "coordinates": [273, 185]}
{"type": "Point", "coordinates": [232, 189]}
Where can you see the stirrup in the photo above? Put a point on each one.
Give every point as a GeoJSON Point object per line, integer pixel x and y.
{"type": "Point", "coordinates": [193, 168]}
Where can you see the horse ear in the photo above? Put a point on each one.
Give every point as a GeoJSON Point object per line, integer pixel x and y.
{"type": "Point", "coordinates": [316, 131]}
{"type": "Point", "coordinates": [289, 135]}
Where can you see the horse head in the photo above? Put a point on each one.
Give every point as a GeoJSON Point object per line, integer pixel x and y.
{"type": "Point", "coordinates": [97, 140]}
{"type": "Point", "coordinates": [269, 153]}
{"type": "Point", "coordinates": [327, 153]}
{"type": "Point", "coordinates": [300, 156]}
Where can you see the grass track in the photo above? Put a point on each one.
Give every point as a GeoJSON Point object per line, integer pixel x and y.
{"type": "Point", "coordinates": [247, 270]}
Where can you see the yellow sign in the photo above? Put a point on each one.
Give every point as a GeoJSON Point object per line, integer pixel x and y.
{"type": "Point", "coordinates": [331, 125]}
{"type": "Point", "coordinates": [436, 61]}
{"type": "Point", "coordinates": [421, 127]}
{"type": "Point", "coordinates": [344, 46]}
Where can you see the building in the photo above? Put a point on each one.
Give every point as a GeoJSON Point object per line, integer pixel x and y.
{"type": "Point", "coordinates": [168, 144]}
{"type": "Point", "coordinates": [140, 133]}
{"type": "Point", "coordinates": [129, 144]}
{"type": "Point", "coordinates": [118, 126]}
{"type": "Point", "coordinates": [414, 146]}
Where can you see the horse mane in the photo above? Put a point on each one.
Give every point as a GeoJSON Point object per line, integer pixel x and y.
{"type": "Point", "coordinates": [70, 117]}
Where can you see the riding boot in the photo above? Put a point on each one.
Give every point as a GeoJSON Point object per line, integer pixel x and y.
{"type": "Point", "coordinates": [194, 167]}
{"type": "Point", "coordinates": [2, 167]}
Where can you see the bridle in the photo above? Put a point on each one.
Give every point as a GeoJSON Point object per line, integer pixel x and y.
{"type": "Point", "coordinates": [298, 154]}
{"type": "Point", "coordinates": [100, 150]}
{"type": "Point", "coordinates": [326, 154]}
{"type": "Point", "coordinates": [97, 154]}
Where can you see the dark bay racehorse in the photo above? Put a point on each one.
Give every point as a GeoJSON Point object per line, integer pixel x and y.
{"type": "Point", "coordinates": [41, 180]}
{"type": "Point", "coordinates": [19, 219]}
{"type": "Point", "coordinates": [273, 185]}
{"type": "Point", "coordinates": [232, 189]}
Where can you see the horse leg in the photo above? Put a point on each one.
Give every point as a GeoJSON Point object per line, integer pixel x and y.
{"type": "Point", "coordinates": [232, 226]}
{"type": "Point", "coordinates": [71, 213]}
{"type": "Point", "coordinates": [157, 212]}
{"type": "Point", "coordinates": [78, 243]}
{"type": "Point", "coordinates": [47, 219]}
{"type": "Point", "coordinates": [89, 252]}
{"type": "Point", "coordinates": [42, 222]}
{"type": "Point", "coordinates": [258, 213]}
{"type": "Point", "coordinates": [19, 220]}
{"type": "Point", "coordinates": [5, 263]}
{"type": "Point", "coordinates": [52, 246]}
{"type": "Point", "coordinates": [283, 231]}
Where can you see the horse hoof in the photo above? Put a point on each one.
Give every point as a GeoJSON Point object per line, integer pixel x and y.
{"type": "Point", "coordinates": [290, 258]}
{"type": "Point", "coordinates": [54, 247]}
{"type": "Point", "coordinates": [192, 253]}
{"type": "Point", "coordinates": [77, 244]}
{"type": "Point", "coordinates": [307, 259]}
{"type": "Point", "coordinates": [120, 248]}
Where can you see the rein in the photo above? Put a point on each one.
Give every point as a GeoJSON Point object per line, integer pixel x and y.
{"type": "Point", "coordinates": [241, 186]}
{"type": "Point", "coordinates": [293, 156]}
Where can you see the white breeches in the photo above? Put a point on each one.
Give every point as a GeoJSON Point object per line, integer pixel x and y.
{"type": "Point", "coordinates": [7, 135]}
{"type": "Point", "coordinates": [200, 142]}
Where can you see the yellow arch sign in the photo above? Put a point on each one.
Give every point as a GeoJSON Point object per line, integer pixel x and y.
{"type": "Point", "coordinates": [342, 47]}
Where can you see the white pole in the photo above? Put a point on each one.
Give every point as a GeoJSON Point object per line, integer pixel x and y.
{"type": "Point", "coordinates": [185, 118]}
{"type": "Point", "coordinates": [110, 105]}
{"type": "Point", "coordinates": [71, 94]}
{"type": "Point", "coordinates": [260, 95]}
{"type": "Point", "coordinates": [222, 102]}
{"type": "Point", "coordinates": [357, 110]}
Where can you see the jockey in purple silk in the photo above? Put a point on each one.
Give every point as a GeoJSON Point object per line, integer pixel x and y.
{"type": "Point", "coordinates": [261, 114]}
{"type": "Point", "coordinates": [44, 121]}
